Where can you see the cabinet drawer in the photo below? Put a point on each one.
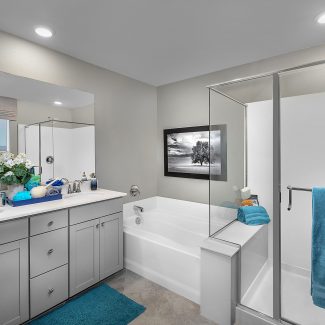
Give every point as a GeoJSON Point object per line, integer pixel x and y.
{"type": "Point", "coordinates": [48, 221]}
{"type": "Point", "coordinates": [13, 230]}
{"type": "Point", "coordinates": [95, 210]}
{"type": "Point", "coordinates": [48, 251]}
{"type": "Point", "coordinates": [48, 290]}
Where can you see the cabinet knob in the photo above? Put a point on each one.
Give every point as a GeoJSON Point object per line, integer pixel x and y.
{"type": "Point", "coordinates": [51, 290]}
{"type": "Point", "coordinates": [103, 224]}
{"type": "Point", "coordinates": [50, 251]}
{"type": "Point", "coordinates": [50, 223]}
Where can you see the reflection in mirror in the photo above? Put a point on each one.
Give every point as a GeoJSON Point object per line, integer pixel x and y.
{"type": "Point", "coordinates": [53, 125]}
{"type": "Point", "coordinates": [4, 139]}
{"type": "Point", "coordinates": [63, 149]}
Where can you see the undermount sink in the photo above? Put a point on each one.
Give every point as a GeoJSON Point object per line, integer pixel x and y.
{"type": "Point", "coordinates": [65, 196]}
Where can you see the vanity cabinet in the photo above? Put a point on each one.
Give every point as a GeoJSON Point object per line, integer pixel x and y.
{"type": "Point", "coordinates": [49, 257]}
{"type": "Point", "coordinates": [96, 246]}
{"type": "Point", "coordinates": [14, 296]}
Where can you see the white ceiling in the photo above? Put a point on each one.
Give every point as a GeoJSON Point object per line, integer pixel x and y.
{"type": "Point", "coordinates": [161, 41]}
{"type": "Point", "coordinates": [41, 92]}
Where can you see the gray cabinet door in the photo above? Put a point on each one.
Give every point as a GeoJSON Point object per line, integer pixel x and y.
{"type": "Point", "coordinates": [14, 295]}
{"type": "Point", "coordinates": [111, 244]}
{"type": "Point", "coordinates": [84, 255]}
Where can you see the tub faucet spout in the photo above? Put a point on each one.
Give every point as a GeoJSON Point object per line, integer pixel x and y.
{"type": "Point", "coordinates": [138, 208]}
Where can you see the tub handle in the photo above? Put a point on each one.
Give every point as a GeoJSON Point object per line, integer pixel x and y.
{"type": "Point", "coordinates": [134, 190]}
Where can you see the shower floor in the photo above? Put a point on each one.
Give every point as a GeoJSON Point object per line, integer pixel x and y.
{"type": "Point", "coordinates": [297, 305]}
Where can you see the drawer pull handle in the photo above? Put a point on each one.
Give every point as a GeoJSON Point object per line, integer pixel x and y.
{"type": "Point", "coordinates": [50, 251]}
{"type": "Point", "coordinates": [50, 223]}
{"type": "Point", "coordinates": [51, 291]}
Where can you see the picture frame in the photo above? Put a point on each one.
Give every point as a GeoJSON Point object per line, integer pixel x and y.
{"type": "Point", "coordinates": [187, 152]}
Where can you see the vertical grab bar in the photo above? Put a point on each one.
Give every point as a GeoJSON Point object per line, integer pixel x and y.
{"type": "Point", "coordinates": [290, 197]}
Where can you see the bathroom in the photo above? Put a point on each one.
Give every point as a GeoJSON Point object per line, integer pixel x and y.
{"type": "Point", "coordinates": [180, 256]}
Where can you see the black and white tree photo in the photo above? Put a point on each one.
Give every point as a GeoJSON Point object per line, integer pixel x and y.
{"type": "Point", "coordinates": [192, 152]}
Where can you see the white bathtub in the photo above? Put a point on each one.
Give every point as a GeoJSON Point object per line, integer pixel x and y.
{"type": "Point", "coordinates": [165, 246]}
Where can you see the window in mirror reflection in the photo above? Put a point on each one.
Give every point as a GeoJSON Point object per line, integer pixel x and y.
{"type": "Point", "coordinates": [4, 136]}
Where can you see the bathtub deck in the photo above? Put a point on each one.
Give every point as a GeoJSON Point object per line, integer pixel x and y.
{"type": "Point", "coordinates": [163, 307]}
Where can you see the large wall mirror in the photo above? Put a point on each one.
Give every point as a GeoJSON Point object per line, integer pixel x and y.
{"type": "Point", "coordinates": [53, 125]}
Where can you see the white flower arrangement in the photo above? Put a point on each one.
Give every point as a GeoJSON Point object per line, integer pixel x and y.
{"type": "Point", "coordinates": [14, 170]}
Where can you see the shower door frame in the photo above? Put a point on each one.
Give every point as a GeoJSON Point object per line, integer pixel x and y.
{"type": "Point", "coordinates": [276, 182]}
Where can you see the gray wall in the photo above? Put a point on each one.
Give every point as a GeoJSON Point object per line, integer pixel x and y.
{"type": "Point", "coordinates": [125, 111]}
{"type": "Point", "coordinates": [128, 126]}
{"type": "Point", "coordinates": [185, 103]}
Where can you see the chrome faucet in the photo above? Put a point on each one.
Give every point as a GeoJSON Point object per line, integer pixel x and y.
{"type": "Point", "coordinates": [137, 208]}
{"type": "Point", "coordinates": [76, 186]}
{"type": "Point", "coordinates": [69, 185]}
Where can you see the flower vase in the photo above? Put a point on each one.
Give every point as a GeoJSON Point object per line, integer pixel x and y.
{"type": "Point", "coordinates": [13, 189]}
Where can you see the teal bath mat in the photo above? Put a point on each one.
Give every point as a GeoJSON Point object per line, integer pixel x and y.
{"type": "Point", "coordinates": [99, 306]}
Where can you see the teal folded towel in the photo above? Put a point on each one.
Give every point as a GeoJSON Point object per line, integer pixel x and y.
{"type": "Point", "coordinates": [318, 247]}
{"type": "Point", "coordinates": [20, 196]}
{"type": "Point", "coordinates": [253, 215]}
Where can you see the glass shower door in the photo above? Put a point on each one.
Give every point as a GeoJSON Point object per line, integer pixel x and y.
{"type": "Point", "coordinates": [302, 167]}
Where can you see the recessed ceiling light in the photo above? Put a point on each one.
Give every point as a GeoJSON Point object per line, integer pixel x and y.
{"type": "Point", "coordinates": [57, 103]}
{"type": "Point", "coordinates": [321, 18]}
{"type": "Point", "coordinates": [43, 32]}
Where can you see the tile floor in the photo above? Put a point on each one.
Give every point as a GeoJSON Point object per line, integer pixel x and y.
{"type": "Point", "coordinates": [163, 307]}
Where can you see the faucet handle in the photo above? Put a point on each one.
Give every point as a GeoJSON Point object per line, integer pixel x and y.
{"type": "Point", "coordinates": [76, 186]}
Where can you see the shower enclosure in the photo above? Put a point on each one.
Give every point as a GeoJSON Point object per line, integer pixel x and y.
{"type": "Point", "coordinates": [283, 113]}
{"type": "Point", "coordinates": [60, 149]}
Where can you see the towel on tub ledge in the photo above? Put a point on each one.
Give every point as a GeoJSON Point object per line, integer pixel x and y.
{"type": "Point", "coordinates": [318, 247]}
{"type": "Point", "coordinates": [253, 215]}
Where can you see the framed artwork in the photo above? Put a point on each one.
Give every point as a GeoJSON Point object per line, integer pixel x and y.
{"type": "Point", "coordinates": [190, 152]}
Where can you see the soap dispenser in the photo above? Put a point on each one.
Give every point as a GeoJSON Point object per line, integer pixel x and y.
{"type": "Point", "coordinates": [93, 182]}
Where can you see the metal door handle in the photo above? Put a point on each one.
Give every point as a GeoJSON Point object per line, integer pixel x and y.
{"type": "Point", "coordinates": [51, 290]}
{"type": "Point", "coordinates": [50, 251]}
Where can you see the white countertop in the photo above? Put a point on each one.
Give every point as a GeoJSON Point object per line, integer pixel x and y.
{"type": "Point", "coordinates": [8, 213]}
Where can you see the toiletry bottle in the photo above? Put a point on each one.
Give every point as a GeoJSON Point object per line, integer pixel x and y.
{"type": "Point", "coordinates": [93, 183]}
{"type": "Point", "coordinates": [3, 199]}
{"type": "Point", "coordinates": [84, 177]}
